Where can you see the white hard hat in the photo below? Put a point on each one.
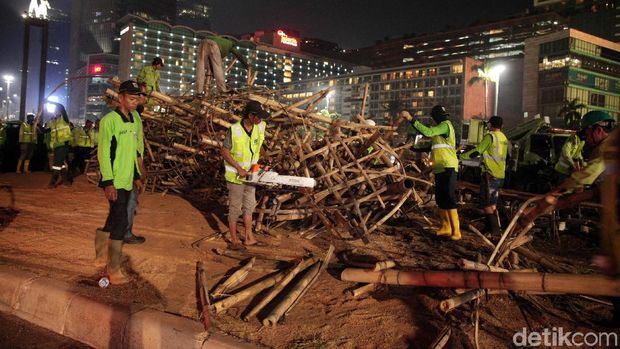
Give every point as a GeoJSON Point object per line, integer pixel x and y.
{"type": "Point", "coordinates": [371, 122]}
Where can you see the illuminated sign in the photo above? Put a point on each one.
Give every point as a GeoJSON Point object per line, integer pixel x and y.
{"type": "Point", "coordinates": [96, 69]}
{"type": "Point", "coordinates": [285, 39]}
{"type": "Point", "coordinates": [124, 30]}
{"type": "Point", "coordinates": [38, 9]}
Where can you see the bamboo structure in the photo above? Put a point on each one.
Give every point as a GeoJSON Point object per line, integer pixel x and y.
{"type": "Point", "coordinates": [360, 177]}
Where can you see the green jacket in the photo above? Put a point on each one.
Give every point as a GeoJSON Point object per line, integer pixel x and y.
{"type": "Point", "coordinates": [571, 153]}
{"type": "Point", "coordinates": [227, 47]}
{"type": "Point", "coordinates": [149, 77]}
{"type": "Point", "coordinates": [494, 149]}
{"type": "Point", "coordinates": [443, 149]}
{"type": "Point", "coordinates": [83, 138]}
{"type": "Point", "coordinates": [121, 142]}
{"type": "Point", "coordinates": [27, 133]}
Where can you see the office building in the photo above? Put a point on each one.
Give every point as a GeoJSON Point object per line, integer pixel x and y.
{"type": "Point", "coordinates": [567, 65]}
{"type": "Point", "coordinates": [416, 88]}
{"type": "Point", "coordinates": [275, 55]}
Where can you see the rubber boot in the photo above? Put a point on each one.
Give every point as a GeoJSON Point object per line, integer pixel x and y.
{"type": "Point", "coordinates": [26, 166]}
{"type": "Point", "coordinates": [101, 242]}
{"type": "Point", "coordinates": [54, 179]}
{"type": "Point", "coordinates": [456, 225]}
{"type": "Point", "coordinates": [446, 228]}
{"type": "Point", "coordinates": [115, 257]}
{"type": "Point", "coordinates": [19, 166]}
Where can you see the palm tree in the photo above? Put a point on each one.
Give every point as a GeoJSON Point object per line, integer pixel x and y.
{"type": "Point", "coordinates": [484, 75]}
{"type": "Point", "coordinates": [570, 114]}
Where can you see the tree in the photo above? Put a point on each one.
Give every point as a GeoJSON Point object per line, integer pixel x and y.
{"type": "Point", "coordinates": [570, 114]}
{"type": "Point", "coordinates": [485, 74]}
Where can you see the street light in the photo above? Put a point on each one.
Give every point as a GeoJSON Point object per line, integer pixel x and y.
{"type": "Point", "coordinates": [8, 79]}
{"type": "Point", "coordinates": [495, 73]}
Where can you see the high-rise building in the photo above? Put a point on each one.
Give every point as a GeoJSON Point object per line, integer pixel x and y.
{"type": "Point", "coordinates": [275, 56]}
{"type": "Point", "coordinates": [570, 65]}
{"type": "Point", "coordinates": [416, 87]}
{"type": "Point", "coordinates": [493, 40]}
{"type": "Point", "coordinates": [194, 14]}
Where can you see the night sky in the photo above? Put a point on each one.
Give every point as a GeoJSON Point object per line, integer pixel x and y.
{"type": "Point", "coordinates": [350, 23]}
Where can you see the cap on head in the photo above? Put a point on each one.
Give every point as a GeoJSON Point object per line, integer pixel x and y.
{"type": "Point", "coordinates": [439, 113]}
{"type": "Point", "coordinates": [130, 87]}
{"type": "Point", "coordinates": [158, 61]}
{"type": "Point", "coordinates": [253, 107]}
{"type": "Point", "coordinates": [496, 121]}
{"type": "Point", "coordinates": [596, 117]}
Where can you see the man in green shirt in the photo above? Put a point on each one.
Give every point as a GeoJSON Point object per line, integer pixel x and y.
{"type": "Point", "coordinates": [149, 77]}
{"type": "Point", "coordinates": [571, 157]}
{"type": "Point", "coordinates": [445, 166]}
{"type": "Point", "coordinates": [83, 144]}
{"type": "Point", "coordinates": [211, 53]}
{"type": "Point", "coordinates": [493, 148]}
{"type": "Point", "coordinates": [61, 139]}
{"type": "Point", "coordinates": [119, 152]}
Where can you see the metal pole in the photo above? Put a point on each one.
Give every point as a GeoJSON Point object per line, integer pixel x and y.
{"type": "Point", "coordinates": [24, 82]}
{"type": "Point", "coordinates": [43, 67]}
{"type": "Point", "coordinates": [8, 98]}
{"type": "Point", "coordinates": [496, 94]}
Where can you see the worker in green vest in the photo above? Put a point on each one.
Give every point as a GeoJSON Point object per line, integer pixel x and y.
{"type": "Point", "coordinates": [444, 166]}
{"type": "Point", "coordinates": [27, 143]}
{"type": "Point", "coordinates": [571, 157]}
{"type": "Point", "coordinates": [60, 138]}
{"type": "Point", "coordinates": [83, 144]}
{"type": "Point", "coordinates": [212, 51]}
{"type": "Point", "coordinates": [240, 150]}
{"type": "Point", "coordinates": [494, 149]}
{"type": "Point", "coordinates": [149, 77]}
{"type": "Point", "coordinates": [119, 152]}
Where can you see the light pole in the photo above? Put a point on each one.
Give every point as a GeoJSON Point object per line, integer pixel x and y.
{"type": "Point", "coordinates": [495, 73]}
{"type": "Point", "coordinates": [8, 79]}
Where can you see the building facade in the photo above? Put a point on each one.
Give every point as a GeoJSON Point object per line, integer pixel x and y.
{"type": "Point", "coordinates": [275, 56]}
{"type": "Point", "coordinates": [571, 65]}
{"type": "Point", "coordinates": [414, 87]}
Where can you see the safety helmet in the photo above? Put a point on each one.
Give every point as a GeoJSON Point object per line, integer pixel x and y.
{"type": "Point", "coordinates": [158, 60]}
{"type": "Point", "coordinates": [439, 113]}
{"type": "Point", "coordinates": [371, 122]}
{"type": "Point", "coordinates": [596, 117]}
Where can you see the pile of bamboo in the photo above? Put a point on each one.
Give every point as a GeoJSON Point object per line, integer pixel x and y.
{"type": "Point", "coordinates": [361, 181]}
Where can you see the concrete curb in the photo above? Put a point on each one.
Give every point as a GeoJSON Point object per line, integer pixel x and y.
{"type": "Point", "coordinates": [53, 305]}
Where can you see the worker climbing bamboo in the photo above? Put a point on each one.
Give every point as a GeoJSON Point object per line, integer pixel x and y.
{"type": "Point", "coordinates": [493, 149]}
{"type": "Point", "coordinates": [241, 149]}
{"type": "Point", "coordinates": [27, 143]}
{"type": "Point", "coordinates": [118, 152]}
{"type": "Point", "coordinates": [445, 168]}
{"type": "Point", "coordinates": [211, 53]}
{"type": "Point", "coordinates": [149, 77]}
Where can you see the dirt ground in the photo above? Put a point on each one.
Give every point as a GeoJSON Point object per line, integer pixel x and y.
{"type": "Point", "coordinates": [52, 234]}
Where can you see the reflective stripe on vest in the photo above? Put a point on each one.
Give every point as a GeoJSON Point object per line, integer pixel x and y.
{"type": "Point", "coordinates": [245, 149]}
{"type": "Point", "coordinates": [564, 164]}
{"type": "Point", "coordinates": [61, 132]}
{"type": "Point", "coordinates": [494, 158]}
{"type": "Point", "coordinates": [443, 153]}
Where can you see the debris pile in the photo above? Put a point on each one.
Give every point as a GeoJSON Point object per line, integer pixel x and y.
{"type": "Point", "coordinates": [361, 180]}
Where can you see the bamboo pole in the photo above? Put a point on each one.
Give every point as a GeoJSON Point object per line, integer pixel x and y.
{"type": "Point", "coordinates": [279, 287]}
{"type": "Point", "coordinates": [363, 290]}
{"type": "Point", "coordinates": [235, 279]}
{"type": "Point", "coordinates": [248, 292]}
{"type": "Point", "coordinates": [541, 282]}
{"type": "Point", "coordinates": [471, 265]}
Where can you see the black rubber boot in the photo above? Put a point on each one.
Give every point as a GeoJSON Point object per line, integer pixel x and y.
{"type": "Point", "coordinates": [54, 179]}
{"type": "Point", "coordinates": [66, 177]}
{"type": "Point", "coordinates": [129, 238]}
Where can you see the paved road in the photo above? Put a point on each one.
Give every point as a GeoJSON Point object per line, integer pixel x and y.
{"type": "Point", "coordinates": [16, 333]}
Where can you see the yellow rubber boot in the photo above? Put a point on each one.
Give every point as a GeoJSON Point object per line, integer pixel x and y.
{"type": "Point", "coordinates": [101, 244]}
{"type": "Point", "coordinates": [114, 268]}
{"type": "Point", "coordinates": [19, 166]}
{"type": "Point", "coordinates": [456, 225]}
{"type": "Point", "coordinates": [446, 228]}
{"type": "Point", "coordinates": [26, 166]}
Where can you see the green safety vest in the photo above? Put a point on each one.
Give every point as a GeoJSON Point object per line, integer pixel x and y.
{"type": "Point", "coordinates": [82, 138]}
{"type": "Point", "coordinates": [60, 132]}
{"type": "Point", "coordinates": [149, 77]}
{"type": "Point", "coordinates": [245, 149]}
{"type": "Point", "coordinates": [118, 159]}
{"type": "Point", "coordinates": [443, 152]}
{"type": "Point", "coordinates": [26, 134]}
{"type": "Point", "coordinates": [571, 151]}
{"type": "Point", "coordinates": [94, 135]}
{"type": "Point", "coordinates": [494, 158]}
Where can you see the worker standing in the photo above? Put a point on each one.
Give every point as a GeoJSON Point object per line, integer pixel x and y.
{"type": "Point", "coordinates": [211, 53]}
{"type": "Point", "coordinates": [149, 76]}
{"type": "Point", "coordinates": [83, 146]}
{"type": "Point", "coordinates": [27, 143]}
{"type": "Point", "coordinates": [241, 149]}
{"type": "Point", "coordinates": [571, 157]}
{"type": "Point", "coordinates": [118, 153]}
{"type": "Point", "coordinates": [60, 138]}
{"type": "Point", "coordinates": [444, 166]}
{"type": "Point", "coordinates": [493, 148]}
